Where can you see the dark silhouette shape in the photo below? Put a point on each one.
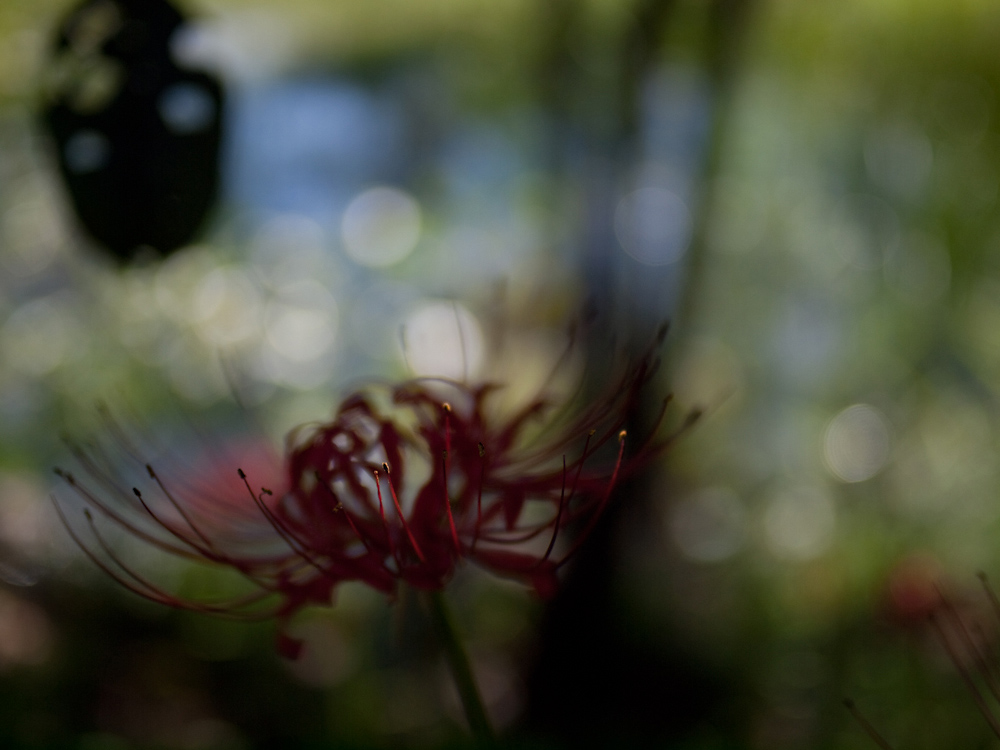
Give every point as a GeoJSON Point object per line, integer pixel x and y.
{"type": "Point", "coordinates": [137, 134]}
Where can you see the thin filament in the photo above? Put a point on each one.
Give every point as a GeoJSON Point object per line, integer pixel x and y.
{"type": "Point", "coordinates": [385, 523]}
{"type": "Point", "coordinates": [446, 408]}
{"type": "Point", "coordinates": [866, 725]}
{"type": "Point", "coordinates": [971, 647]}
{"type": "Point", "coordinates": [555, 527]}
{"type": "Point", "coordinates": [343, 509]}
{"type": "Point", "coordinates": [152, 593]}
{"type": "Point", "coordinates": [604, 500]}
{"type": "Point", "coordinates": [296, 544]}
{"type": "Point", "coordinates": [399, 511]}
{"type": "Point", "coordinates": [956, 659]}
{"type": "Point", "coordinates": [208, 552]}
{"type": "Point", "coordinates": [177, 506]}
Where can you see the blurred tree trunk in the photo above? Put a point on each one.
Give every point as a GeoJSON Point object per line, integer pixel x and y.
{"type": "Point", "coordinates": [594, 679]}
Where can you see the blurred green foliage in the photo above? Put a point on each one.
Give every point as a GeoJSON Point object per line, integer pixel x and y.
{"type": "Point", "coordinates": [845, 254]}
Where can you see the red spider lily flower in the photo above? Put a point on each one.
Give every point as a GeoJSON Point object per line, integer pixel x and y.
{"type": "Point", "coordinates": [403, 483]}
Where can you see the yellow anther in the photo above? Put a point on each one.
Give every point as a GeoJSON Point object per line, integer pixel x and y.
{"type": "Point", "coordinates": [621, 436]}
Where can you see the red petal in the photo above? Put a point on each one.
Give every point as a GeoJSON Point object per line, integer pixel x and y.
{"type": "Point", "coordinates": [512, 505]}
{"type": "Point", "coordinates": [535, 571]}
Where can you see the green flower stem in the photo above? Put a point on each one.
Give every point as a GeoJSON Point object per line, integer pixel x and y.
{"type": "Point", "coordinates": [461, 670]}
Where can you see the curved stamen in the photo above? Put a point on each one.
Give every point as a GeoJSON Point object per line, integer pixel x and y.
{"type": "Point", "coordinates": [297, 545]}
{"type": "Point", "coordinates": [151, 592]}
{"type": "Point", "coordinates": [91, 499]}
{"type": "Point", "coordinates": [479, 496]}
{"type": "Point", "coordinates": [399, 511]}
{"type": "Point", "coordinates": [446, 408]}
{"type": "Point", "coordinates": [385, 523]}
{"type": "Point", "coordinates": [177, 506]}
{"type": "Point", "coordinates": [604, 501]}
{"type": "Point", "coordinates": [339, 507]}
{"type": "Point", "coordinates": [555, 526]}
{"type": "Point", "coordinates": [202, 551]}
